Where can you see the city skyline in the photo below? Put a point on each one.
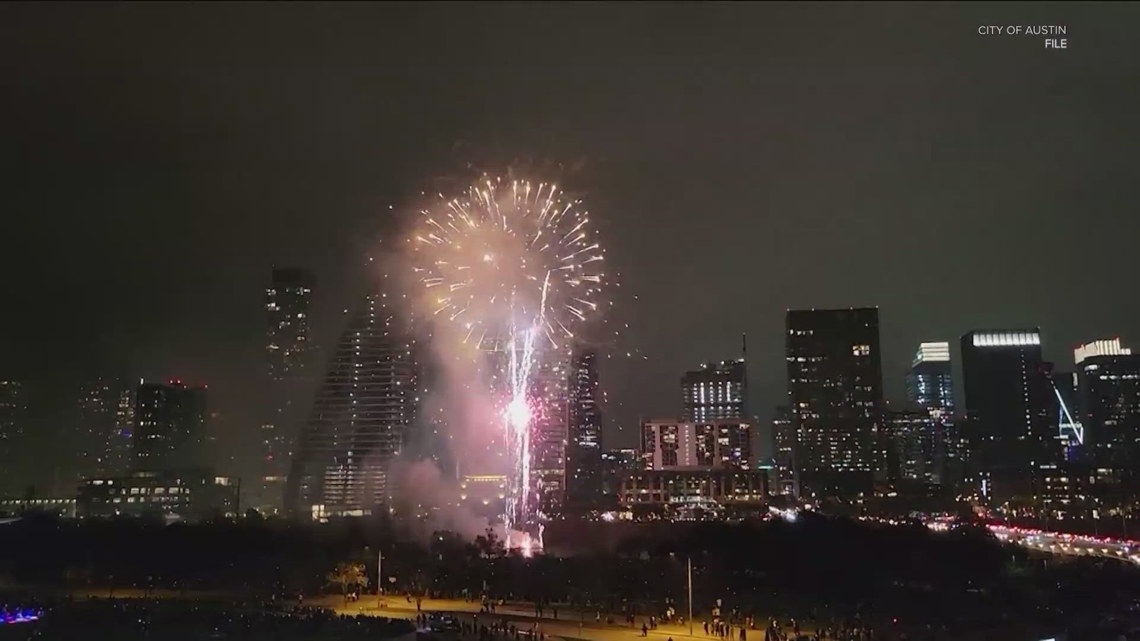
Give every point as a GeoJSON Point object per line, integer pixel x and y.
{"type": "Point", "coordinates": [248, 170]}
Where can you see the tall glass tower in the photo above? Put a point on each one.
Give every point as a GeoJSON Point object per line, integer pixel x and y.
{"type": "Point", "coordinates": [356, 429]}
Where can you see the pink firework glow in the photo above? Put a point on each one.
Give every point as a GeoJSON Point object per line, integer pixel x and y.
{"type": "Point", "coordinates": [514, 266]}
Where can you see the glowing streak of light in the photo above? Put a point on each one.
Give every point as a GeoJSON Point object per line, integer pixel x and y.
{"type": "Point", "coordinates": [521, 268]}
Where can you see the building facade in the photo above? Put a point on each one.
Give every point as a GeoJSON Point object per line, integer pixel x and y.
{"type": "Point", "coordinates": [694, 494]}
{"type": "Point", "coordinates": [724, 443]}
{"type": "Point", "coordinates": [105, 427]}
{"type": "Point", "coordinates": [584, 447]}
{"type": "Point", "coordinates": [170, 426]}
{"type": "Point", "coordinates": [1108, 398]}
{"type": "Point", "coordinates": [835, 393]}
{"type": "Point", "coordinates": [362, 410]}
{"type": "Point", "coordinates": [117, 453]}
{"type": "Point", "coordinates": [784, 439]}
{"type": "Point", "coordinates": [189, 495]}
{"type": "Point", "coordinates": [715, 391]}
{"type": "Point", "coordinates": [550, 429]}
{"type": "Point", "coordinates": [289, 371]}
{"type": "Point", "coordinates": [913, 452]}
{"type": "Point", "coordinates": [616, 464]}
{"type": "Point", "coordinates": [1011, 424]}
{"type": "Point", "coordinates": [930, 382]}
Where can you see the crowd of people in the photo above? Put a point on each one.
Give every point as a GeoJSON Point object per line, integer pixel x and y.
{"type": "Point", "coordinates": [181, 620]}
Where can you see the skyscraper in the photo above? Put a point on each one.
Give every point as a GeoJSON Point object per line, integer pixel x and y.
{"type": "Point", "coordinates": [98, 406]}
{"type": "Point", "coordinates": [1010, 421]}
{"type": "Point", "coordinates": [584, 447]}
{"type": "Point", "coordinates": [930, 387]}
{"type": "Point", "coordinates": [287, 302]}
{"type": "Point", "coordinates": [835, 392]}
{"type": "Point", "coordinates": [930, 384]}
{"type": "Point", "coordinates": [715, 391]}
{"type": "Point", "coordinates": [117, 449]}
{"type": "Point", "coordinates": [551, 429]}
{"type": "Point", "coordinates": [288, 369]}
{"type": "Point", "coordinates": [359, 418]}
{"type": "Point", "coordinates": [1108, 393]}
{"type": "Point", "coordinates": [170, 426]}
{"type": "Point", "coordinates": [912, 453]}
{"type": "Point", "coordinates": [784, 441]}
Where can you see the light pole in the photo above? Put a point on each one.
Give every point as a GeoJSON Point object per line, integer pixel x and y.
{"type": "Point", "coordinates": [379, 576]}
{"type": "Point", "coordinates": [690, 596]}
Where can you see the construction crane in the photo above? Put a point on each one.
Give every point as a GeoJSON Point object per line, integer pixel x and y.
{"type": "Point", "coordinates": [1071, 430]}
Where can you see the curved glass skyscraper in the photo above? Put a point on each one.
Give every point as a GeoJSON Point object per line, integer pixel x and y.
{"type": "Point", "coordinates": [359, 418]}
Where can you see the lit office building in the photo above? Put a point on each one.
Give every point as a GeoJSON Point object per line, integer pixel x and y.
{"type": "Point", "coordinates": [193, 494]}
{"type": "Point", "coordinates": [288, 353]}
{"type": "Point", "coordinates": [695, 494]}
{"type": "Point", "coordinates": [484, 495]}
{"type": "Point", "coordinates": [715, 391]}
{"type": "Point", "coordinates": [98, 407]}
{"type": "Point", "coordinates": [722, 443]}
{"type": "Point", "coordinates": [1109, 347]}
{"type": "Point", "coordinates": [357, 426]}
{"type": "Point", "coordinates": [170, 426]}
{"type": "Point", "coordinates": [550, 386]}
{"type": "Point", "coordinates": [835, 393]}
{"type": "Point", "coordinates": [616, 464]}
{"type": "Point", "coordinates": [913, 454]}
{"type": "Point", "coordinates": [117, 449]}
{"type": "Point", "coordinates": [930, 384]}
{"type": "Point", "coordinates": [784, 437]}
{"type": "Point", "coordinates": [584, 447]}
{"type": "Point", "coordinates": [1010, 410]}
{"type": "Point", "coordinates": [1108, 397]}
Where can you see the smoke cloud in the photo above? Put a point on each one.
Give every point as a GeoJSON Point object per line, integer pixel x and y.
{"type": "Point", "coordinates": [458, 429]}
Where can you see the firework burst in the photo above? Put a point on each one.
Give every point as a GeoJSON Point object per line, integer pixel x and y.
{"type": "Point", "coordinates": [489, 255]}
{"type": "Point", "coordinates": [516, 267]}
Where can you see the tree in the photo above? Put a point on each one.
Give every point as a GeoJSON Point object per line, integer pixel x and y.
{"type": "Point", "coordinates": [348, 575]}
{"type": "Point", "coordinates": [490, 545]}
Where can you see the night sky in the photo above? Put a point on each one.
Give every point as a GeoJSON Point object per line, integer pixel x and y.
{"type": "Point", "coordinates": [158, 159]}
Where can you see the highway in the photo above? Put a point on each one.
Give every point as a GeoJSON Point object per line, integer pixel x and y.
{"type": "Point", "coordinates": [1043, 541]}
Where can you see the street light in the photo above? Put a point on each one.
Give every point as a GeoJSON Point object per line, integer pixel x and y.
{"type": "Point", "coordinates": [690, 596]}
{"type": "Point", "coordinates": [379, 575]}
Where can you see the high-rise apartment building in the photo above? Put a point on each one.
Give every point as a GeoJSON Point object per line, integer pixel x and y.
{"type": "Point", "coordinates": [584, 447]}
{"type": "Point", "coordinates": [364, 406]}
{"type": "Point", "coordinates": [1011, 423]}
{"type": "Point", "coordinates": [170, 426]}
{"type": "Point", "coordinates": [667, 443]}
{"type": "Point", "coordinates": [913, 446]}
{"type": "Point", "coordinates": [550, 429]}
{"type": "Point", "coordinates": [1108, 398]}
{"type": "Point", "coordinates": [98, 424]}
{"type": "Point", "coordinates": [835, 393]}
{"type": "Point", "coordinates": [929, 382]}
{"type": "Point", "coordinates": [714, 391]}
{"type": "Point", "coordinates": [288, 352]}
{"type": "Point", "coordinates": [287, 302]}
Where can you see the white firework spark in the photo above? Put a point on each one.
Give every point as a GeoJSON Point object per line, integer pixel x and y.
{"type": "Point", "coordinates": [516, 265]}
